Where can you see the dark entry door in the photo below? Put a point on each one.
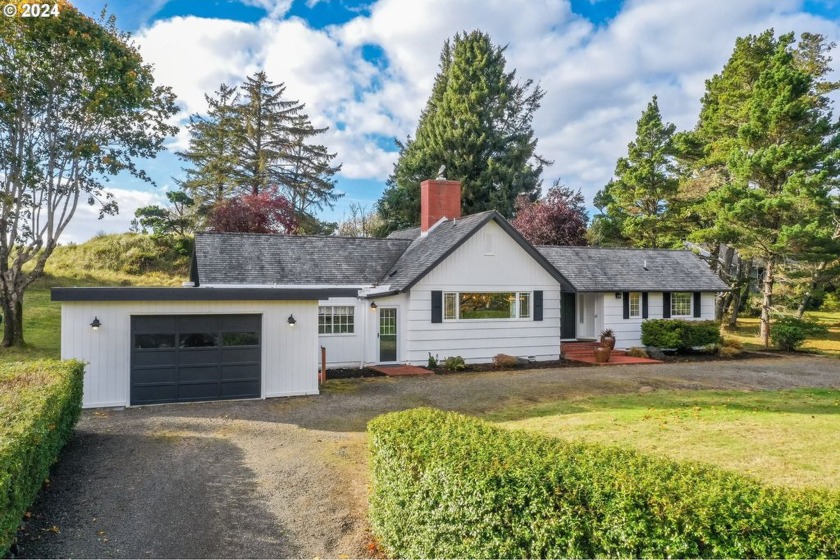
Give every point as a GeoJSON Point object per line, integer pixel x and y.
{"type": "Point", "coordinates": [387, 334]}
{"type": "Point", "coordinates": [567, 315]}
{"type": "Point", "coordinates": [179, 358]}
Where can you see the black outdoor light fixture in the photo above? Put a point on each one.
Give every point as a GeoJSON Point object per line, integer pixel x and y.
{"type": "Point", "coordinates": [95, 324]}
{"type": "Point", "coordinates": [373, 306]}
{"type": "Point", "coordinates": [618, 295]}
{"type": "Point", "coordinates": [292, 320]}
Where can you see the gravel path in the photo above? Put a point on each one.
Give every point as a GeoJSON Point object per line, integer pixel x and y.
{"type": "Point", "coordinates": [288, 477]}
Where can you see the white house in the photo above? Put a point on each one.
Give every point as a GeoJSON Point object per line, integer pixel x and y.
{"type": "Point", "coordinates": [258, 307]}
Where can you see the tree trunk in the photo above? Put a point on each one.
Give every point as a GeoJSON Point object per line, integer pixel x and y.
{"type": "Point", "coordinates": [767, 301]}
{"type": "Point", "coordinates": [815, 282]}
{"type": "Point", "coordinates": [13, 320]}
{"type": "Point", "coordinates": [742, 291]}
{"type": "Point", "coordinates": [722, 301]}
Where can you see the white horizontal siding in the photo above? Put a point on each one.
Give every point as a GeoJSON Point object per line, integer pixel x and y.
{"type": "Point", "coordinates": [468, 269]}
{"type": "Point", "coordinates": [628, 332]}
{"type": "Point", "coordinates": [347, 350]}
{"type": "Point", "coordinates": [289, 354]}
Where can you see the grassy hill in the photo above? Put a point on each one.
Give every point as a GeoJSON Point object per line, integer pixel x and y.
{"type": "Point", "coordinates": [127, 259]}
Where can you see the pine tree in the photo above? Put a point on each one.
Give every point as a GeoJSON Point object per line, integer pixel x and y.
{"type": "Point", "coordinates": [478, 123]}
{"type": "Point", "coordinates": [212, 151]}
{"type": "Point", "coordinates": [638, 205]}
{"type": "Point", "coordinates": [253, 139]}
{"type": "Point", "coordinates": [767, 133]}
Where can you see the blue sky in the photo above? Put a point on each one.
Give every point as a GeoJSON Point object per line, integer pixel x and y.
{"type": "Point", "coordinates": [365, 68]}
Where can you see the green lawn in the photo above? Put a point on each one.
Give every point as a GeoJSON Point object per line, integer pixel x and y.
{"type": "Point", "coordinates": [747, 333]}
{"type": "Point", "coordinates": [782, 437]}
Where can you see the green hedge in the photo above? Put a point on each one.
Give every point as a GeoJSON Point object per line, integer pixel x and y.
{"type": "Point", "coordinates": [40, 403]}
{"type": "Point", "coordinates": [679, 334]}
{"type": "Point", "coordinates": [446, 485]}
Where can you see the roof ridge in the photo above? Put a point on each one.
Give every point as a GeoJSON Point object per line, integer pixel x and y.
{"type": "Point", "coordinates": [293, 236]}
{"type": "Point", "coordinates": [588, 247]}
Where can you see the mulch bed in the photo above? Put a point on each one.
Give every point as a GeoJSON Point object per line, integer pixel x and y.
{"type": "Point", "coordinates": [352, 373]}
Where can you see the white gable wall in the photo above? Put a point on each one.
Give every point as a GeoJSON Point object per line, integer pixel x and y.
{"type": "Point", "coordinates": [470, 269]}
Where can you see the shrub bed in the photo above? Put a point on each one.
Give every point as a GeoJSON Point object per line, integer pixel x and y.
{"type": "Point", "coordinates": [446, 485]}
{"type": "Point", "coordinates": [40, 403]}
{"type": "Point", "coordinates": [679, 334]}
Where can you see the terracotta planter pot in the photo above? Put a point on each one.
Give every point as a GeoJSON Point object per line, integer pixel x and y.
{"type": "Point", "coordinates": [608, 341]}
{"type": "Point", "coordinates": [602, 354]}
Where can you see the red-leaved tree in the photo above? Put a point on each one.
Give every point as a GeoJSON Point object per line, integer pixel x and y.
{"type": "Point", "coordinates": [265, 212]}
{"type": "Point", "coordinates": [559, 218]}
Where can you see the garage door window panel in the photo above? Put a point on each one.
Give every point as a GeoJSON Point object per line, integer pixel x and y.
{"type": "Point", "coordinates": [240, 339]}
{"type": "Point", "coordinates": [154, 341]}
{"type": "Point", "coordinates": [198, 340]}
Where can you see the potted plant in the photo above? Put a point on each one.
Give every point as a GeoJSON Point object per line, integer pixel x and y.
{"type": "Point", "coordinates": [608, 338]}
{"type": "Point", "coordinates": [602, 354]}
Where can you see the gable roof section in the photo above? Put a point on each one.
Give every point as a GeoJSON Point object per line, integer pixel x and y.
{"type": "Point", "coordinates": [426, 252]}
{"type": "Point", "coordinates": [601, 269]}
{"type": "Point", "coordinates": [288, 260]}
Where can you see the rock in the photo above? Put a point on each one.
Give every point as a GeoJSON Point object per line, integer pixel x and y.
{"type": "Point", "coordinates": [647, 389]}
{"type": "Point", "coordinates": [654, 352]}
{"type": "Point", "coordinates": [522, 361]}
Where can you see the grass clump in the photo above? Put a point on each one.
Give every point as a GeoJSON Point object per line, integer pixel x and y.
{"type": "Point", "coordinates": [40, 403]}
{"type": "Point", "coordinates": [446, 485]}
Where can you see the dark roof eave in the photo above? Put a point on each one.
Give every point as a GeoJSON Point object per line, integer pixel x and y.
{"type": "Point", "coordinates": [199, 294]}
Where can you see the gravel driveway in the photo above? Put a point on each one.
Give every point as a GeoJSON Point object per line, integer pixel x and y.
{"type": "Point", "coordinates": [287, 477]}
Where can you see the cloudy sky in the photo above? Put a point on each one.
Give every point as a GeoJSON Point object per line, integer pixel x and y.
{"type": "Point", "coordinates": [365, 69]}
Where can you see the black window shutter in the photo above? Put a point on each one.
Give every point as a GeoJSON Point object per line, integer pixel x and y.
{"type": "Point", "coordinates": [666, 305]}
{"type": "Point", "coordinates": [626, 297]}
{"type": "Point", "coordinates": [437, 306]}
{"type": "Point", "coordinates": [644, 305]}
{"type": "Point", "coordinates": [538, 305]}
{"type": "Point", "coordinates": [697, 304]}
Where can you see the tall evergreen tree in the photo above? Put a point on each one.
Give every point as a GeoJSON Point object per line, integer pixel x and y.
{"type": "Point", "coordinates": [767, 132]}
{"type": "Point", "coordinates": [253, 139]}
{"type": "Point", "coordinates": [638, 205]}
{"type": "Point", "coordinates": [213, 140]}
{"type": "Point", "coordinates": [477, 122]}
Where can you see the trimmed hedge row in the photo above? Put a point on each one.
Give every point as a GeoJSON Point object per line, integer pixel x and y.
{"type": "Point", "coordinates": [446, 485]}
{"type": "Point", "coordinates": [679, 334]}
{"type": "Point", "coordinates": [40, 403]}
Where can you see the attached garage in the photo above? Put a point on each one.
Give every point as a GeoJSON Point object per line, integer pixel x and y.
{"type": "Point", "coordinates": [162, 345]}
{"type": "Point", "coordinates": [195, 358]}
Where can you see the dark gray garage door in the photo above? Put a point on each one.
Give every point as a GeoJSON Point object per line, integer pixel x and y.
{"type": "Point", "coordinates": [176, 358]}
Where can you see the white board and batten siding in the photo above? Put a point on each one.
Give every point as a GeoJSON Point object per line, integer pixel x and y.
{"type": "Point", "coordinates": [628, 332]}
{"type": "Point", "coordinates": [489, 261]}
{"type": "Point", "coordinates": [289, 354]}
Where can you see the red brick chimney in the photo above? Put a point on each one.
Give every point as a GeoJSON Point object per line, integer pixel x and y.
{"type": "Point", "coordinates": [439, 198]}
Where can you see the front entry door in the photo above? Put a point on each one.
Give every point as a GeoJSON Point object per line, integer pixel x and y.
{"type": "Point", "coordinates": [387, 334]}
{"type": "Point", "coordinates": [568, 315]}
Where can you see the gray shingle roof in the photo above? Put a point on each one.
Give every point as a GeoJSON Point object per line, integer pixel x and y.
{"type": "Point", "coordinates": [597, 269]}
{"type": "Point", "coordinates": [410, 234]}
{"type": "Point", "coordinates": [241, 258]}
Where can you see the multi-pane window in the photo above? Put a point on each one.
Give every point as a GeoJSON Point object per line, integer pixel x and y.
{"type": "Point", "coordinates": [450, 306]}
{"type": "Point", "coordinates": [335, 319]}
{"type": "Point", "coordinates": [681, 304]}
{"type": "Point", "coordinates": [486, 305]}
{"type": "Point", "coordinates": [635, 304]}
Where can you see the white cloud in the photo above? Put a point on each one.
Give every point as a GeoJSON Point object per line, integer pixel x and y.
{"type": "Point", "coordinates": [86, 223]}
{"type": "Point", "coordinates": [598, 79]}
{"type": "Point", "coordinates": [275, 8]}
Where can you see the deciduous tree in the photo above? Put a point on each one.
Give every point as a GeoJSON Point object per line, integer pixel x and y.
{"type": "Point", "coordinates": [77, 104]}
{"type": "Point", "coordinates": [265, 212]}
{"type": "Point", "coordinates": [559, 218]}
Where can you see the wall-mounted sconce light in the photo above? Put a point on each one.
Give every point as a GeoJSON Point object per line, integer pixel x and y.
{"type": "Point", "coordinates": [373, 306]}
{"type": "Point", "coordinates": [292, 320]}
{"type": "Point", "coordinates": [618, 295]}
{"type": "Point", "coordinates": [95, 324]}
